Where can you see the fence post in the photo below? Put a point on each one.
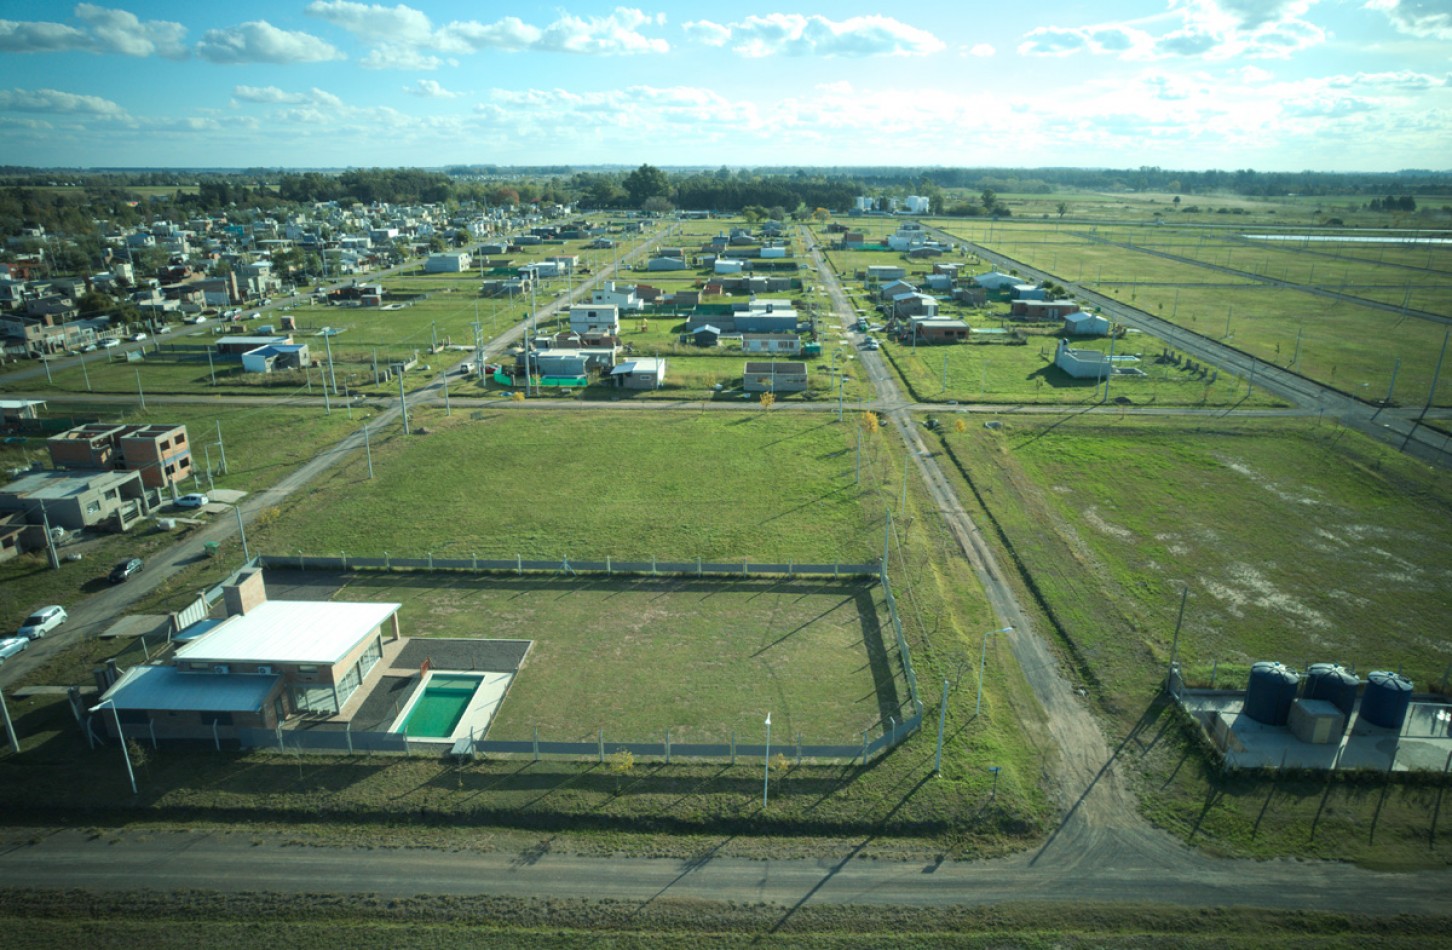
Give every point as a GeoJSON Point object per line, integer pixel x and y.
{"type": "Point", "coordinates": [475, 558]}
{"type": "Point", "coordinates": [216, 739]}
{"type": "Point", "coordinates": [668, 746]}
{"type": "Point", "coordinates": [299, 561]}
{"type": "Point", "coordinates": [602, 745]}
{"type": "Point", "coordinates": [745, 569]}
{"type": "Point", "coordinates": [536, 743]}
{"type": "Point", "coordinates": [698, 566]}
{"type": "Point", "coordinates": [387, 564]}
{"type": "Point", "coordinates": [653, 571]}
{"type": "Point", "coordinates": [343, 556]}
{"type": "Point", "coordinates": [431, 560]}
{"type": "Point", "coordinates": [892, 730]}
{"type": "Point", "coordinates": [152, 724]}
{"type": "Point", "coordinates": [791, 565]}
{"type": "Point", "coordinates": [608, 568]}
{"type": "Point", "coordinates": [519, 565]}
{"type": "Point", "coordinates": [799, 748]}
{"type": "Point", "coordinates": [1214, 670]}
{"type": "Point", "coordinates": [733, 746]}
{"type": "Point", "coordinates": [145, 649]}
{"type": "Point", "coordinates": [279, 738]}
{"type": "Point", "coordinates": [864, 746]}
{"type": "Point", "coordinates": [348, 731]}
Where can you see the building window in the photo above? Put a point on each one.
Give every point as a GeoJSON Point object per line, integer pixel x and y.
{"type": "Point", "coordinates": [93, 507]}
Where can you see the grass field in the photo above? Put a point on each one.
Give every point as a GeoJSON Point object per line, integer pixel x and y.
{"type": "Point", "coordinates": [703, 658]}
{"type": "Point", "coordinates": [760, 485]}
{"type": "Point", "coordinates": [1298, 542]}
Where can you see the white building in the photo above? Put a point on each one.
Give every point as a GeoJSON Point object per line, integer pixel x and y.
{"type": "Point", "coordinates": [448, 262]}
{"type": "Point", "coordinates": [595, 318]}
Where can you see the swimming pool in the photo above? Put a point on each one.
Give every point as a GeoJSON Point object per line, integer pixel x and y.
{"type": "Point", "coordinates": [441, 705]}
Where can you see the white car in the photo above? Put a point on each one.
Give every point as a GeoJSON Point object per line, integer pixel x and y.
{"type": "Point", "coordinates": [194, 500]}
{"type": "Point", "coordinates": [41, 622]}
{"type": "Point", "coordinates": [137, 337]}
{"type": "Point", "coordinates": [12, 645]}
{"type": "Point", "coordinates": [108, 344]}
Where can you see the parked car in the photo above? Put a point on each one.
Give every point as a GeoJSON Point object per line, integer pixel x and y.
{"type": "Point", "coordinates": [41, 622]}
{"type": "Point", "coordinates": [12, 645]}
{"type": "Point", "coordinates": [163, 329]}
{"type": "Point", "coordinates": [193, 500]}
{"type": "Point", "coordinates": [108, 344]}
{"type": "Point", "coordinates": [126, 569]}
{"type": "Point", "coordinates": [137, 337]}
{"type": "Point", "coordinates": [89, 348]}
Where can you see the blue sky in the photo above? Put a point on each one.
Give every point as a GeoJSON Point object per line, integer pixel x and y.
{"type": "Point", "coordinates": [1265, 84]}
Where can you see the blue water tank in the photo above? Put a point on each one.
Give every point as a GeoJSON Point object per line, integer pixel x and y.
{"type": "Point", "coordinates": [1331, 682]}
{"type": "Point", "coordinates": [1272, 690]}
{"type": "Point", "coordinates": [1387, 697]}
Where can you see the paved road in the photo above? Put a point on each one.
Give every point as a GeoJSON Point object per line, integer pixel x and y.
{"type": "Point", "coordinates": [245, 862]}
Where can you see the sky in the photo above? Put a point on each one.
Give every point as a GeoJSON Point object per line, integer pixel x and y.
{"type": "Point", "coordinates": [1334, 85]}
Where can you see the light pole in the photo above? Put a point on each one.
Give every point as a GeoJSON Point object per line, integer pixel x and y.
{"type": "Point", "coordinates": [995, 769]}
{"type": "Point", "coordinates": [121, 738]}
{"type": "Point", "coordinates": [982, 665]}
{"type": "Point", "coordinates": [766, 764]}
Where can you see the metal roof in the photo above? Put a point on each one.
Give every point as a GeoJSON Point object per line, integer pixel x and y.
{"type": "Point", "coordinates": [289, 631]}
{"type": "Point", "coordinates": [166, 687]}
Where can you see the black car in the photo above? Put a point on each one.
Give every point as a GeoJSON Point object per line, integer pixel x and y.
{"type": "Point", "coordinates": [125, 569]}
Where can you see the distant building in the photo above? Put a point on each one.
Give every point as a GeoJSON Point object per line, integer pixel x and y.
{"type": "Point", "coordinates": [161, 453]}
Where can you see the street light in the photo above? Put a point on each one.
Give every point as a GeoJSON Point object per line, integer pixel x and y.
{"type": "Point", "coordinates": [766, 763]}
{"type": "Point", "coordinates": [995, 769]}
{"type": "Point", "coordinates": [982, 664]}
{"type": "Point", "coordinates": [121, 738]}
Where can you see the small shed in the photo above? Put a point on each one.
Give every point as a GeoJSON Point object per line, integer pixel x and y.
{"type": "Point", "coordinates": [707, 335]}
{"type": "Point", "coordinates": [774, 377]}
{"type": "Point", "coordinates": [644, 373]}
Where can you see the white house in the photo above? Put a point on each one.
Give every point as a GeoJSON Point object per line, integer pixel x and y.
{"type": "Point", "coordinates": [917, 204]}
{"type": "Point", "coordinates": [1081, 364]}
{"type": "Point", "coordinates": [620, 296]}
{"type": "Point", "coordinates": [726, 265]}
{"type": "Point", "coordinates": [995, 280]}
{"type": "Point", "coordinates": [448, 262]}
{"type": "Point", "coordinates": [594, 318]}
{"type": "Point", "coordinates": [1086, 324]}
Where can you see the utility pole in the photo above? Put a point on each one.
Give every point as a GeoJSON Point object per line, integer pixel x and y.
{"type": "Point", "coordinates": [221, 447]}
{"type": "Point", "coordinates": [242, 530]}
{"type": "Point", "coordinates": [403, 403]}
{"type": "Point", "coordinates": [368, 451]}
{"type": "Point", "coordinates": [87, 373]}
{"type": "Point", "coordinates": [139, 391]}
{"type": "Point", "coordinates": [1175, 643]}
{"type": "Point", "coordinates": [448, 411]}
{"type": "Point", "coordinates": [211, 369]}
{"type": "Point", "coordinates": [1436, 374]}
{"type": "Point", "coordinates": [328, 344]}
{"type": "Point", "coordinates": [942, 722]}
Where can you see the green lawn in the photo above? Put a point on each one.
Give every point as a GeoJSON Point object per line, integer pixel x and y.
{"type": "Point", "coordinates": [702, 658]}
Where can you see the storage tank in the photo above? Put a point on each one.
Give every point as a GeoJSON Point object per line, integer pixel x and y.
{"type": "Point", "coordinates": [1332, 682]}
{"type": "Point", "coordinates": [1273, 688]}
{"type": "Point", "coordinates": [1388, 695]}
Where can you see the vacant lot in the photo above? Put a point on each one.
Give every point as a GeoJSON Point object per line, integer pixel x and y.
{"type": "Point", "coordinates": [1298, 542]}
{"type": "Point", "coordinates": [762, 485]}
{"type": "Point", "coordinates": [636, 656]}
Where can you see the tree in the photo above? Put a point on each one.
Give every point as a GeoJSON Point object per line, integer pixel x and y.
{"type": "Point", "coordinates": [622, 763]}
{"type": "Point", "coordinates": [870, 423]}
{"type": "Point", "coordinates": [647, 181]}
{"type": "Point", "coordinates": [657, 204]}
{"type": "Point", "coordinates": [767, 400]}
{"type": "Point", "coordinates": [1063, 208]}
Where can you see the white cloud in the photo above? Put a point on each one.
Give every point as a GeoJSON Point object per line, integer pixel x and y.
{"type": "Point", "coordinates": [400, 57]}
{"type": "Point", "coordinates": [117, 31]}
{"type": "Point", "coordinates": [1405, 80]}
{"type": "Point", "coordinates": [1207, 29]}
{"type": "Point", "coordinates": [617, 33]}
{"type": "Point", "coordinates": [429, 89]}
{"type": "Point", "coordinates": [261, 42]}
{"type": "Point", "coordinates": [981, 49]}
{"type": "Point", "coordinates": [106, 31]}
{"type": "Point", "coordinates": [401, 25]}
{"type": "Point", "coordinates": [272, 95]}
{"type": "Point", "coordinates": [1429, 19]}
{"type": "Point", "coordinates": [55, 101]}
{"type": "Point", "coordinates": [795, 34]}
{"type": "Point", "coordinates": [510, 34]}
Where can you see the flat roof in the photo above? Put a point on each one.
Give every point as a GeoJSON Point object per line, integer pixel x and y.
{"type": "Point", "coordinates": [53, 484]}
{"type": "Point", "coordinates": [290, 631]}
{"type": "Point", "coordinates": [166, 687]}
{"type": "Point", "coordinates": [776, 366]}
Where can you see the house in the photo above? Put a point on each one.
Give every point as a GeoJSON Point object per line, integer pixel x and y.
{"type": "Point", "coordinates": [448, 262]}
{"type": "Point", "coordinates": [1081, 364]}
{"type": "Point", "coordinates": [914, 305]}
{"type": "Point", "coordinates": [939, 330]}
{"type": "Point", "coordinates": [706, 335]}
{"type": "Point", "coordinates": [595, 318]}
{"type": "Point", "coordinates": [942, 283]}
{"type": "Point", "coordinates": [238, 343]}
{"type": "Point", "coordinates": [892, 289]}
{"type": "Point", "coordinates": [265, 662]}
{"type": "Point", "coordinates": [1027, 292]}
{"type": "Point", "coordinates": [774, 377]}
{"type": "Point", "coordinates": [725, 265]}
{"type": "Point", "coordinates": [161, 453]}
{"type": "Point", "coordinates": [76, 500]}
{"type": "Point", "coordinates": [996, 280]}
{"type": "Point", "coordinates": [1042, 309]}
{"type": "Point", "coordinates": [644, 373]}
{"type": "Point", "coordinates": [569, 362]}
{"type": "Point", "coordinates": [623, 297]}
{"type": "Point", "coordinates": [665, 263]}
{"type": "Point", "coordinates": [1086, 324]}
{"type": "Point", "coordinates": [775, 343]}
{"type": "Point", "coordinates": [276, 356]}
{"type": "Point", "coordinates": [13, 411]}
{"type": "Point", "coordinates": [881, 273]}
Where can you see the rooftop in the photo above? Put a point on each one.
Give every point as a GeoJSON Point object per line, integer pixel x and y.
{"type": "Point", "coordinates": [57, 485]}
{"type": "Point", "coordinates": [166, 687]}
{"type": "Point", "coordinates": [289, 631]}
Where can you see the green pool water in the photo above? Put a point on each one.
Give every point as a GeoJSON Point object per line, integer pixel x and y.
{"type": "Point", "coordinates": [441, 706]}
